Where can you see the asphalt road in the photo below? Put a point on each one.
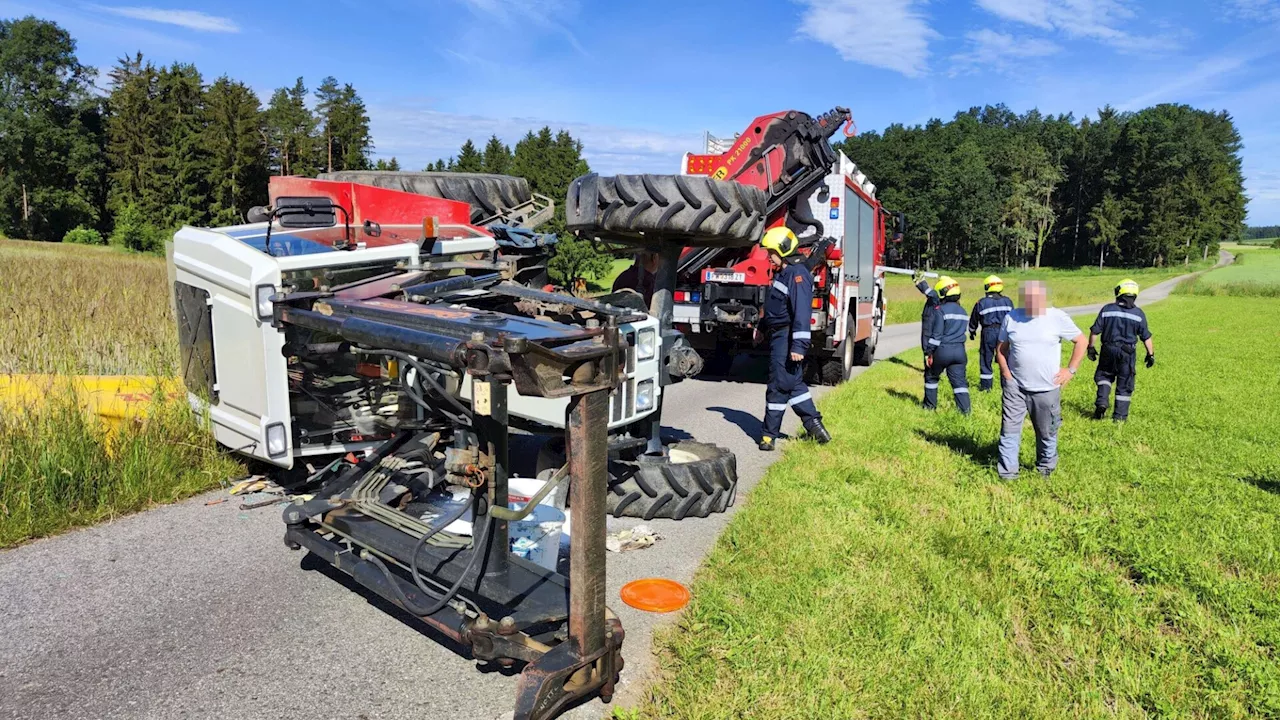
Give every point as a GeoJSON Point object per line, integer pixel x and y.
{"type": "Point", "coordinates": [193, 611]}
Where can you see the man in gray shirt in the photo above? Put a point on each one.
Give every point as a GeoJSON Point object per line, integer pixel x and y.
{"type": "Point", "coordinates": [1030, 361]}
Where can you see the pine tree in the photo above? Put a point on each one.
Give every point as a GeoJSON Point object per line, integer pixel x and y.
{"type": "Point", "coordinates": [235, 139]}
{"type": "Point", "coordinates": [291, 130]}
{"type": "Point", "coordinates": [133, 132]}
{"type": "Point", "coordinates": [51, 160]}
{"type": "Point", "coordinates": [497, 157]}
{"type": "Point", "coordinates": [469, 159]}
{"type": "Point", "coordinates": [183, 160]}
{"type": "Point", "coordinates": [344, 126]}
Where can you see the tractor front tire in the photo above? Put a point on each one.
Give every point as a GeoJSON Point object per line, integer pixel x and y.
{"type": "Point", "coordinates": [691, 210]}
{"type": "Point", "coordinates": [694, 480]}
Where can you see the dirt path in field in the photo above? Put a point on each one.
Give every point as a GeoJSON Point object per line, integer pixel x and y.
{"type": "Point", "coordinates": [195, 611]}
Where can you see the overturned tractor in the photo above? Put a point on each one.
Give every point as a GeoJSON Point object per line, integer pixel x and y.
{"type": "Point", "coordinates": [379, 349]}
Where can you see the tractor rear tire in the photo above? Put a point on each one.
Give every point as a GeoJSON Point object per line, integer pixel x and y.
{"type": "Point", "coordinates": [695, 480]}
{"type": "Point", "coordinates": [688, 209]}
{"type": "Point", "coordinates": [487, 194]}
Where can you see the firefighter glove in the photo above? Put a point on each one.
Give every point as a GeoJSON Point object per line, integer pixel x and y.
{"type": "Point", "coordinates": [1151, 359]}
{"type": "Point", "coordinates": [1093, 353]}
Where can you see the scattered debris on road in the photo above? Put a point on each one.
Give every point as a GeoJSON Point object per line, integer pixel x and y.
{"type": "Point", "coordinates": [637, 538]}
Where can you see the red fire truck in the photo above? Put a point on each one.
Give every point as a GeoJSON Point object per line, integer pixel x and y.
{"type": "Point", "coordinates": [831, 206]}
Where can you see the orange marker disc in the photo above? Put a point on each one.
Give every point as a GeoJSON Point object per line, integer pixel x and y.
{"type": "Point", "coordinates": [657, 595]}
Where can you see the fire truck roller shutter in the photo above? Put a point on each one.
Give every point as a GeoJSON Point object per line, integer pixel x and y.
{"type": "Point", "coordinates": [860, 242]}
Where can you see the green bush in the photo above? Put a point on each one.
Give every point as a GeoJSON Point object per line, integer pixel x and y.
{"type": "Point", "coordinates": [577, 259]}
{"type": "Point", "coordinates": [81, 235]}
{"type": "Point", "coordinates": [1276, 243]}
{"type": "Point", "coordinates": [133, 232]}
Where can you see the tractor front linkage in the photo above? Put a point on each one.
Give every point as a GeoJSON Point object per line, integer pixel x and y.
{"type": "Point", "coordinates": [366, 522]}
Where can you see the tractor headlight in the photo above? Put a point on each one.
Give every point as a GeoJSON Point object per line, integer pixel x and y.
{"type": "Point", "coordinates": [644, 396]}
{"type": "Point", "coordinates": [262, 296]}
{"type": "Point", "coordinates": [646, 344]}
{"type": "Point", "coordinates": [277, 443]}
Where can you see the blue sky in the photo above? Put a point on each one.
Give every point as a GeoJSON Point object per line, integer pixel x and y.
{"type": "Point", "coordinates": [640, 81]}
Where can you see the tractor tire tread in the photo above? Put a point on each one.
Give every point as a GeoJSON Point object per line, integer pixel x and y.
{"type": "Point", "coordinates": [690, 210]}
{"type": "Point", "coordinates": [648, 490]}
{"type": "Point", "coordinates": [487, 194]}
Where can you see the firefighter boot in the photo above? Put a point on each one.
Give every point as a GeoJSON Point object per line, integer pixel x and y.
{"type": "Point", "coordinates": [766, 444]}
{"type": "Point", "coordinates": [817, 431]}
{"type": "Point", "coordinates": [1099, 412]}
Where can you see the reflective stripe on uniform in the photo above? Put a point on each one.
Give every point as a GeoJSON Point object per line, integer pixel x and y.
{"type": "Point", "coordinates": [1125, 315]}
{"type": "Point", "coordinates": [953, 316]}
{"type": "Point", "coordinates": [776, 406]}
{"type": "Point", "coordinates": [960, 391]}
{"type": "Point", "coordinates": [934, 342]}
{"type": "Point", "coordinates": [800, 398]}
{"type": "Point", "coordinates": [1104, 382]}
{"type": "Point", "coordinates": [1123, 398]}
{"type": "Point", "coordinates": [987, 377]}
{"type": "Point", "coordinates": [781, 287]}
{"type": "Point", "coordinates": [931, 386]}
{"type": "Point", "coordinates": [802, 335]}
{"type": "Point", "coordinates": [999, 308]}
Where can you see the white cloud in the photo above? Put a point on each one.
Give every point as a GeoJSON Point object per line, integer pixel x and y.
{"type": "Point", "coordinates": [552, 15]}
{"type": "Point", "coordinates": [1263, 10]}
{"type": "Point", "coordinates": [1205, 76]}
{"type": "Point", "coordinates": [190, 19]}
{"type": "Point", "coordinates": [891, 34]}
{"type": "Point", "coordinates": [418, 135]}
{"type": "Point", "coordinates": [1099, 20]}
{"type": "Point", "coordinates": [1000, 51]}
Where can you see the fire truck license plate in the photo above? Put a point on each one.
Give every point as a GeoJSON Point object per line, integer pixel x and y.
{"type": "Point", "coordinates": [721, 276]}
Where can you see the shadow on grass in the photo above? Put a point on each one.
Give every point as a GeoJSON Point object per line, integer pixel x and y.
{"type": "Point", "coordinates": [904, 396]}
{"type": "Point", "coordinates": [899, 361]}
{"type": "Point", "coordinates": [1263, 484]}
{"type": "Point", "coordinates": [986, 453]}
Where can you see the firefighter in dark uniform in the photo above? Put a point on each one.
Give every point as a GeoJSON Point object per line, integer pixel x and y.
{"type": "Point", "coordinates": [786, 323]}
{"type": "Point", "coordinates": [931, 303]}
{"type": "Point", "coordinates": [1121, 325]}
{"type": "Point", "coordinates": [944, 347]}
{"type": "Point", "coordinates": [989, 313]}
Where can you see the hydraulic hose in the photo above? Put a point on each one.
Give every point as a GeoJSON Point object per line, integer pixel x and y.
{"type": "Point", "coordinates": [425, 374]}
{"type": "Point", "coordinates": [479, 540]}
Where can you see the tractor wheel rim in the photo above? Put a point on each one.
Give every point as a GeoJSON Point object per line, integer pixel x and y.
{"type": "Point", "coordinates": [676, 456]}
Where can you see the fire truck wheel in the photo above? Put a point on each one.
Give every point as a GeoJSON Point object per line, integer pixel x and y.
{"type": "Point", "coordinates": [487, 194]}
{"type": "Point", "coordinates": [695, 480]}
{"type": "Point", "coordinates": [688, 209]}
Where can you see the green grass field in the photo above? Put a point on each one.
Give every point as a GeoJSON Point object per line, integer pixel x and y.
{"type": "Point", "coordinates": [1256, 271]}
{"type": "Point", "coordinates": [1067, 288]}
{"type": "Point", "coordinates": [891, 574]}
{"type": "Point", "coordinates": [74, 309]}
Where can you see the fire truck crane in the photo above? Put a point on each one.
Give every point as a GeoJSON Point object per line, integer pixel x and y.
{"type": "Point", "coordinates": [780, 171]}
{"type": "Point", "coordinates": [831, 206]}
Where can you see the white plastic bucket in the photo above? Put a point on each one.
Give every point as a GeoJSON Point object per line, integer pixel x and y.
{"type": "Point", "coordinates": [521, 490]}
{"type": "Point", "coordinates": [537, 537]}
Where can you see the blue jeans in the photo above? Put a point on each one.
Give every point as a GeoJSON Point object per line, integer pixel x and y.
{"type": "Point", "coordinates": [1045, 409]}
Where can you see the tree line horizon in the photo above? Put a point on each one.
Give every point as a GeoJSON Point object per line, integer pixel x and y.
{"type": "Point", "coordinates": [988, 188]}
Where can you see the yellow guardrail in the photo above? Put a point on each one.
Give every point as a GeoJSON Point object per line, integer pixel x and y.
{"type": "Point", "coordinates": [112, 397]}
